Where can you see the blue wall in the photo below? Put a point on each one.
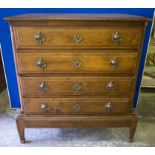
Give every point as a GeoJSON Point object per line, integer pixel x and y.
{"type": "Point", "coordinates": [6, 45]}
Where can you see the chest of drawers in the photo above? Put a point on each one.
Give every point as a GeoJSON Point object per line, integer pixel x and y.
{"type": "Point", "coordinates": [77, 70]}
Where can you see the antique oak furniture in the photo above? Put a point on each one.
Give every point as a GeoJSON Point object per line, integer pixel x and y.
{"type": "Point", "coordinates": [77, 70]}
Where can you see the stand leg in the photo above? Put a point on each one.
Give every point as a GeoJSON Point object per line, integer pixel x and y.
{"type": "Point", "coordinates": [132, 130]}
{"type": "Point", "coordinates": [21, 128]}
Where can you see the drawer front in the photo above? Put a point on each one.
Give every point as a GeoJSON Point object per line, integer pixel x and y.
{"type": "Point", "coordinates": [77, 86]}
{"type": "Point", "coordinates": [77, 37]}
{"type": "Point", "coordinates": [76, 106]}
{"type": "Point", "coordinates": [77, 62]}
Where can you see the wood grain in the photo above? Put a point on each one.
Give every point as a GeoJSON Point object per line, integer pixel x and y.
{"type": "Point", "coordinates": [62, 62]}
{"type": "Point", "coordinates": [90, 86]}
{"type": "Point", "coordinates": [79, 16]}
{"type": "Point", "coordinates": [63, 37]}
{"type": "Point", "coordinates": [57, 106]}
{"type": "Point", "coordinates": [41, 121]}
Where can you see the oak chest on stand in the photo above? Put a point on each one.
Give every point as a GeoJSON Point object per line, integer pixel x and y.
{"type": "Point", "coordinates": [77, 70]}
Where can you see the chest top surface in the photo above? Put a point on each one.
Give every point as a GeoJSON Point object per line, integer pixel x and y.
{"type": "Point", "coordinates": [53, 16]}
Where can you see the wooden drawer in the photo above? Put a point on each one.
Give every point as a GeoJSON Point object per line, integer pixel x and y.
{"type": "Point", "coordinates": [77, 62]}
{"type": "Point", "coordinates": [77, 37]}
{"type": "Point", "coordinates": [77, 86]}
{"type": "Point", "coordinates": [76, 106]}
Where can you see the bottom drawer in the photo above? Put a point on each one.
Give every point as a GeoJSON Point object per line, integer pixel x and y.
{"type": "Point", "coordinates": [76, 106]}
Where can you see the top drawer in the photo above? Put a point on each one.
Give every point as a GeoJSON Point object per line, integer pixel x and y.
{"type": "Point", "coordinates": [77, 37]}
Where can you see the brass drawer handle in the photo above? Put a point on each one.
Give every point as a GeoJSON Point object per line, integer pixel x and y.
{"type": "Point", "coordinates": [116, 38]}
{"type": "Point", "coordinates": [114, 63]}
{"type": "Point", "coordinates": [44, 107]}
{"type": "Point", "coordinates": [41, 63]}
{"type": "Point", "coordinates": [76, 87]}
{"type": "Point", "coordinates": [109, 106]}
{"type": "Point", "coordinates": [111, 86]}
{"type": "Point", "coordinates": [77, 107]}
{"type": "Point", "coordinates": [43, 87]}
{"type": "Point", "coordinates": [77, 38]}
{"type": "Point", "coordinates": [39, 38]}
{"type": "Point", "coordinates": [77, 63]}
